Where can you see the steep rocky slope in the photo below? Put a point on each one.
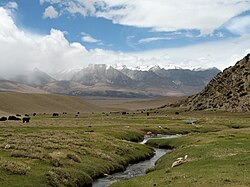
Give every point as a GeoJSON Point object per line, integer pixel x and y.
{"type": "Point", "coordinates": [229, 90]}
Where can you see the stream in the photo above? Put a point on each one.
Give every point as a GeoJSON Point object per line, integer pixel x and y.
{"type": "Point", "coordinates": [137, 169]}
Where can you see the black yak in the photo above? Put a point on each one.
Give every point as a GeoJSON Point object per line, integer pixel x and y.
{"type": "Point", "coordinates": [26, 119]}
{"type": "Point", "coordinates": [55, 114]}
{"type": "Point", "coordinates": [13, 118]}
{"type": "Point", "coordinates": [3, 119]}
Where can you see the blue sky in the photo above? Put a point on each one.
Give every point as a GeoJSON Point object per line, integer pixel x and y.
{"type": "Point", "coordinates": [111, 36]}
{"type": "Point", "coordinates": [131, 32]}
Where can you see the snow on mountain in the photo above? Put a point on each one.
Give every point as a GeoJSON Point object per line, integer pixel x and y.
{"type": "Point", "coordinates": [67, 74]}
{"type": "Point", "coordinates": [145, 67]}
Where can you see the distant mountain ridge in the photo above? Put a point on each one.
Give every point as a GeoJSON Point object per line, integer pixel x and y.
{"type": "Point", "coordinates": [33, 78]}
{"type": "Point", "coordinates": [107, 81]}
{"type": "Point", "coordinates": [229, 90]}
{"type": "Point", "coordinates": [12, 86]}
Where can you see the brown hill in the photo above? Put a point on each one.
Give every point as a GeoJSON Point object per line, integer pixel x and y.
{"type": "Point", "coordinates": [43, 103]}
{"type": "Point", "coordinates": [229, 90]}
{"type": "Point", "coordinates": [11, 86]}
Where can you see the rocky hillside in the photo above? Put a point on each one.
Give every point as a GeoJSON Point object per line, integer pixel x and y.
{"type": "Point", "coordinates": [229, 90]}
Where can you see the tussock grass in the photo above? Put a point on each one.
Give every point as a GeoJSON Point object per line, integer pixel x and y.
{"type": "Point", "coordinates": [69, 151]}
{"type": "Point", "coordinates": [74, 157]}
{"type": "Point", "coordinates": [14, 167]}
{"type": "Point", "coordinates": [61, 177]}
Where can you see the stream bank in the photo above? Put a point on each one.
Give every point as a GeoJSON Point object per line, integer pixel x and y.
{"type": "Point", "coordinates": [137, 169]}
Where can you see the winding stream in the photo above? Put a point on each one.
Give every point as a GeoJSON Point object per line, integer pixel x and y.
{"type": "Point", "coordinates": [138, 169]}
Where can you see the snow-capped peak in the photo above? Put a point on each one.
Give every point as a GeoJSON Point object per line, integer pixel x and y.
{"type": "Point", "coordinates": [155, 67]}
{"type": "Point", "coordinates": [119, 66]}
{"type": "Point", "coordinates": [204, 69]}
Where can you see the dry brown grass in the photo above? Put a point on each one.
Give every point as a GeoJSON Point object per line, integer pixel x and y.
{"type": "Point", "coordinates": [132, 104]}
{"type": "Point", "coordinates": [40, 103]}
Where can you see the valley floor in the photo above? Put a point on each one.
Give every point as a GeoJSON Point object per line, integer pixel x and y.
{"type": "Point", "coordinates": [72, 150]}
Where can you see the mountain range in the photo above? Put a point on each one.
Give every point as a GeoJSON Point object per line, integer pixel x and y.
{"type": "Point", "coordinates": [107, 81]}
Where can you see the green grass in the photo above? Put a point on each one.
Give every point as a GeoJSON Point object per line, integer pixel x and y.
{"type": "Point", "coordinates": [65, 151]}
{"type": "Point", "coordinates": [214, 159]}
{"type": "Point", "coordinates": [69, 150]}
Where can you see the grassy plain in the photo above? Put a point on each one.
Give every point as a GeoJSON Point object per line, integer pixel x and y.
{"type": "Point", "coordinates": [72, 150]}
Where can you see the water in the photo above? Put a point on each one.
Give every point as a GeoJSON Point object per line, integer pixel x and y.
{"type": "Point", "coordinates": [138, 169]}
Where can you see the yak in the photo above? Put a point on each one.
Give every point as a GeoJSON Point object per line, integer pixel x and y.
{"type": "Point", "coordinates": [3, 118]}
{"type": "Point", "coordinates": [13, 118]}
{"type": "Point", "coordinates": [26, 119]}
{"type": "Point", "coordinates": [55, 114]}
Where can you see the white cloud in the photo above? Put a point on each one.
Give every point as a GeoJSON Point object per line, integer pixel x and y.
{"type": "Point", "coordinates": [89, 39]}
{"type": "Point", "coordinates": [153, 39]}
{"type": "Point", "coordinates": [160, 15]}
{"type": "Point", "coordinates": [220, 35]}
{"type": "Point", "coordinates": [11, 5]}
{"type": "Point", "coordinates": [82, 7]}
{"type": "Point", "coordinates": [220, 54]}
{"type": "Point", "coordinates": [239, 25]}
{"type": "Point", "coordinates": [50, 12]}
{"type": "Point", "coordinates": [50, 1]}
{"type": "Point", "coordinates": [21, 51]}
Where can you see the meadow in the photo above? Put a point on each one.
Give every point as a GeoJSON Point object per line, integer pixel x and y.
{"type": "Point", "coordinates": [75, 149]}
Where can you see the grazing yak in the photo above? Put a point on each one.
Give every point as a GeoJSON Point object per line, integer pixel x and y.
{"type": "Point", "coordinates": [55, 114]}
{"type": "Point", "coordinates": [26, 119]}
{"type": "Point", "coordinates": [13, 118]}
{"type": "Point", "coordinates": [3, 118]}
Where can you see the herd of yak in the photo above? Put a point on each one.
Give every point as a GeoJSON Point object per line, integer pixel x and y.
{"type": "Point", "coordinates": [26, 118]}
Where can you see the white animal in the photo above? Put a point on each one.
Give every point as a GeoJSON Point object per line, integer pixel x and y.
{"type": "Point", "coordinates": [7, 146]}
{"type": "Point", "coordinates": [179, 161]}
{"type": "Point", "coordinates": [149, 133]}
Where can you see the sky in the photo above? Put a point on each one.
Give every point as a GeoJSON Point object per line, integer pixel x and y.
{"type": "Point", "coordinates": [61, 35]}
